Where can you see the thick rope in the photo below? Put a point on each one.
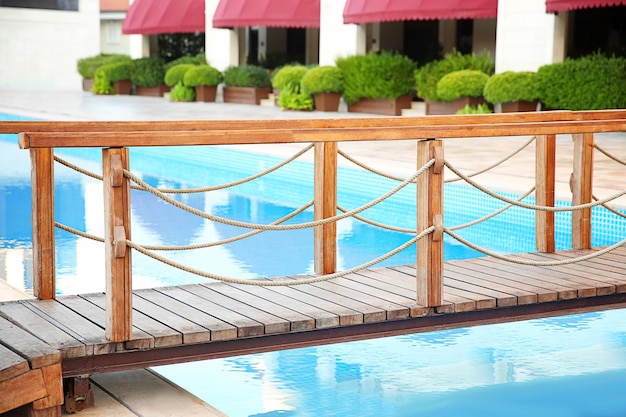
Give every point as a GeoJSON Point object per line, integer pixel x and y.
{"type": "Point", "coordinates": [530, 206]}
{"type": "Point", "coordinates": [78, 232]}
{"type": "Point", "coordinates": [381, 225]}
{"type": "Point", "coordinates": [230, 239]}
{"type": "Point", "coordinates": [533, 263]}
{"type": "Point", "coordinates": [609, 208]}
{"type": "Point", "coordinates": [193, 190]}
{"type": "Point", "coordinates": [495, 213]}
{"type": "Point", "coordinates": [267, 283]}
{"type": "Point", "coordinates": [294, 226]}
{"type": "Point", "coordinates": [609, 155]}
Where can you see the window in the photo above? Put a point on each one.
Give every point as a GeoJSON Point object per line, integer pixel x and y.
{"type": "Point", "coordinates": [71, 5]}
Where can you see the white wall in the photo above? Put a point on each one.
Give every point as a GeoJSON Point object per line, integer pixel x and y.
{"type": "Point", "coordinates": [336, 39]}
{"type": "Point", "coordinates": [222, 45]}
{"type": "Point", "coordinates": [112, 41]}
{"type": "Point", "coordinates": [525, 35]}
{"type": "Point", "coordinates": [39, 48]}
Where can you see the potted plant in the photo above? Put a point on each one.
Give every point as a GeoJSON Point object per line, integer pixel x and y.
{"type": "Point", "coordinates": [289, 74]}
{"type": "Point", "coordinates": [175, 79]}
{"type": "Point", "coordinates": [461, 88]}
{"type": "Point", "coordinates": [514, 91]}
{"type": "Point", "coordinates": [113, 79]}
{"type": "Point", "coordinates": [147, 74]}
{"type": "Point", "coordinates": [87, 66]}
{"type": "Point", "coordinates": [378, 83]}
{"type": "Point", "coordinates": [248, 84]}
{"type": "Point", "coordinates": [205, 79]}
{"type": "Point", "coordinates": [427, 77]}
{"type": "Point", "coordinates": [325, 84]}
{"type": "Point", "coordinates": [292, 98]}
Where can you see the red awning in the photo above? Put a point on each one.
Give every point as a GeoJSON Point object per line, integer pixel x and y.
{"type": "Point", "coordinates": [560, 5]}
{"type": "Point", "coordinates": [367, 11]}
{"type": "Point", "coordinates": [273, 13]}
{"type": "Point", "coordinates": [148, 17]}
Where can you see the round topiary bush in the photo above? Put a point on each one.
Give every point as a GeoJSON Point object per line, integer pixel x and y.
{"type": "Point", "coordinates": [108, 74]}
{"type": "Point", "coordinates": [427, 76]}
{"type": "Point", "coordinates": [288, 74]}
{"type": "Point", "coordinates": [385, 75]}
{"type": "Point", "coordinates": [323, 79]}
{"type": "Point", "coordinates": [176, 74]}
{"type": "Point", "coordinates": [201, 75]}
{"type": "Point", "coordinates": [147, 72]}
{"type": "Point", "coordinates": [593, 82]}
{"type": "Point", "coordinates": [199, 59]}
{"type": "Point", "coordinates": [512, 86]}
{"type": "Point", "coordinates": [182, 92]}
{"type": "Point", "coordinates": [87, 66]}
{"type": "Point", "coordinates": [247, 76]}
{"type": "Point", "coordinates": [464, 83]}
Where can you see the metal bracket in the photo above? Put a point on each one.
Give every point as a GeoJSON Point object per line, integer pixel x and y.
{"type": "Point", "coordinates": [78, 393]}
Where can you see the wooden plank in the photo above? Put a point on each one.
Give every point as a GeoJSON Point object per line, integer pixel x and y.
{"type": "Point", "coordinates": [191, 332]}
{"type": "Point", "coordinates": [118, 269]}
{"type": "Point", "coordinates": [37, 352]}
{"type": "Point", "coordinates": [11, 364]}
{"type": "Point", "coordinates": [582, 193]}
{"type": "Point", "coordinates": [163, 335]}
{"type": "Point", "coordinates": [323, 318]}
{"type": "Point", "coordinates": [42, 217]}
{"type": "Point", "coordinates": [75, 325]}
{"type": "Point", "coordinates": [297, 320]}
{"type": "Point", "coordinates": [69, 346]}
{"type": "Point", "coordinates": [193, 295]}
{"type": "Point", "coordinates": [219, 330]}
{"type": "Point", "coordinates": [53, 381]}
{"type": "Point", "coordinates": [325, 199]}
{"type": "Point", "coordinates": [22, 389]}
{"type": "Point", "coordinates": [545, 167]}
{"type": "Point", "coordinates": [96, 315]}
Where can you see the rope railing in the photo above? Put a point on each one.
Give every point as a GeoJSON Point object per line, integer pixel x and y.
{"type": "Point", "coordinates": [609, 155]}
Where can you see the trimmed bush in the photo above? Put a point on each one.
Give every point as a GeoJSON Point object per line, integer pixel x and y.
{"type": "Point", "coordinates": [202, 75]}
{"type": "Point", "coordinates": [199, 59]}
{"type": "Point", "coordinates": [108, 74]}
{"type": "Point", "coordinates": [385, 75]}
{"type": "Point", "coordinates": [427, 76]}
{"type": "Point", "coordinates": [292, 98]}
{"type": "Point", "coordinates": [87, 66]}
{"type": "Point", "coordinates": [480, 109]}
{"type": "Point", "coordinates": [147, 72]}
{"type": "Point", "coordinates": [288, 74]}
{"type": "Point", "coordinates": [247, 76]}
{"type": "Point", "coordinates": [324, 79]}
{"type": "Point", "coordinates": [593, 82]}
{"type": "Point", "coordinates": [512, 86]}
{"type": "Point", "coordinates": [464, 83]}
{"type": "Point", "coordinates": [181, 92]}
{"type": "Point", "coordinates": [176, 74]}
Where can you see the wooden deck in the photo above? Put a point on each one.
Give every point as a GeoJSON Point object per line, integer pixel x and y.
{"type": "Point", "coordinates": [191, 322]}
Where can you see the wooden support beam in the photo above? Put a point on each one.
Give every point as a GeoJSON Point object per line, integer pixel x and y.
{"type": "Point", "coordinates": [582, 184]}
{"type": "Point", "coordinates": [545, 164]}
{"type": "Point", "coordinates": [117, 255]}
{"type": "Point", "coordinates": [42, 180]}
{"type": "Point", "coordinates": [429, 213]}
{"type": "Point", "coordinates": [325, 196]}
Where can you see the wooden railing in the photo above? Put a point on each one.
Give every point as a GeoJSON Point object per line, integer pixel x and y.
{"type": "Point", "coordinates": [115, 137]}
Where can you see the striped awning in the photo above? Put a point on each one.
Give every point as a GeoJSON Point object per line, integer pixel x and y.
{"type": "Point", "coordinates": [271, 13]}
{"type": "Point", "coordinates": [553, 6]}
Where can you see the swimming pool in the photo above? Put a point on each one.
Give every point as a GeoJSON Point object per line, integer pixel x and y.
{"type": "Point", "coordinates": [543, 367]}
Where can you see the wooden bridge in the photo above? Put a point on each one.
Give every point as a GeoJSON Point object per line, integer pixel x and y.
{"type": "Point", "coordinates": [45, 340]}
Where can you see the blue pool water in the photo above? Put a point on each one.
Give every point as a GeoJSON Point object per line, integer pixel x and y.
{"type": "Point", "coordinates": [567, 366]}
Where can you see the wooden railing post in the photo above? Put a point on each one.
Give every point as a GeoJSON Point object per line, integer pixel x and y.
{"type": "Point", "coordinates": [42, 182]}
{"type": "Point", "coordinates": [581, 185]}
{"type": "Point", "coordinates": [117, 254]}
{"type": "Point", "coordinates": [325, 196]}
{"type": "Point", "coordinates": [545, 163]}
{"type": "Point", "coordinates": [429, 213]}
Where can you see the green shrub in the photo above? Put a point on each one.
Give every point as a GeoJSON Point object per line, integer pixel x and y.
{"type": "Point", "coordinates": [176, 74]}
{"type": "Point", "coordinates": [323, 79]}
{"type": "Point", "coordinates": [287, 75]}
{"type": "Point", "coordinates": [592, 82]}
{"type": "Point", "coordinates": [199, 59]}
{"type": "Point", "coordinates": [384, 75]}
{"type": "Point", "coordinates": [480, 109]}
{"type": "Point", "coordinates": [292, 98]}
{"type": "Point", "coordinates": [464, 83]}
{"type": "Point", "coordinates": [108, 74]}
{"type": "Point", "coordinates": [427, 76]}
{"type": "Point", "coordinates": [181, 92]}
{"type": "Point", "coordinates": [101, 84]}
{"type": "Point", "coordinates": [247, 76]}
{"type": "Point", "coordinates": [87, 66]}
{"type": "Point", "coordinates": [147, 72]}
{"type": "Point", "coordinates": [512, 86]}
{"type": "Point", "coordinates": [202, 75]}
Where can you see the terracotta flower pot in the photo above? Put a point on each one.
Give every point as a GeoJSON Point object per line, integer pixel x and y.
{"type": "Point", "coordinates": [206, 93]}
{"type": "Point", "coordinates": [383, 106]}
{"type": "Point", "coordinates": [245, 95]}
{"type": "Point", "coordinates": [327, 101]}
